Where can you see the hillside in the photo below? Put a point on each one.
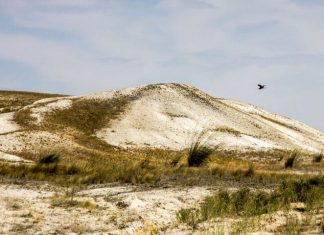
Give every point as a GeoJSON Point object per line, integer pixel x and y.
{"type": "Point", "coordinates": [166, 116]}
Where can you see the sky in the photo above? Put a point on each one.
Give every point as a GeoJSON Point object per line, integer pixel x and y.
{"type": "Point", "coordinates": [223, 47]}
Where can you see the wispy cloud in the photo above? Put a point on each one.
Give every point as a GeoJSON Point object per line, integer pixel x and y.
{"type": "Point", "coordinates": [221, 46]}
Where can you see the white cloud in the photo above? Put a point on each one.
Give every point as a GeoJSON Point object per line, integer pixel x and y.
{"type": "Point", "coordinates": [222, 46]}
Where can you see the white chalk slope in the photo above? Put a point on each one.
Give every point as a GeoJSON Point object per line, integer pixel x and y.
{"type": "Point", "coordinates": [170, 116]}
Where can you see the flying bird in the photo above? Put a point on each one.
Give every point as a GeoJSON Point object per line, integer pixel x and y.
{"type": "Point", "coordinates": [261, 86]}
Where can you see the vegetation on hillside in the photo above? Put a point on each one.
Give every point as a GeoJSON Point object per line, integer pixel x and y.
{"type": "Point", "coordinates": [13, 100]}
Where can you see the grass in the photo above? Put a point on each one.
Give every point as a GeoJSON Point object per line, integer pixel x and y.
{"type": "Point", "coordinates": [280, 123]}
{"type": "Point", "coordinates": [87, 116]}
{"type": "Point", "coordinates": [318, 158]}
{"type": "Point", "coordinates": [228, 130]}
{"type": "Point", "coordinates": [198, 150]}
{"type": "Point", "coordinates": [247, 203]}
{"type": "Point", "coordinates": [292, 226]}
{"type": "Point", "coordinates": [49, 158]}
{"type": "Point", "coordinates": [58, 200]}
{"type": "Point", "coordinates": [188, 216]}
{"type": "Point", "coordinates": [241, 203]}
{"type": "Point", "coordinates": [96, 162]}
{"type": "Point", "coordinates": [13, 100]}
{"type": "Point", "coordinates": [24, 119]}
{"type": "Point", "coordinates": [290, 162]}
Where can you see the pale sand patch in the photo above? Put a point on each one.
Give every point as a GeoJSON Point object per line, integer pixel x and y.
{"type": "Point", "coordinates": [12, 158]}
{"type": "Point", "coordinates": [118, 210]}
{"type": "Point", "coordinates": [33, 140]}
{"type": "Point", "coordinates": [157, 206]}
{"type": "Point", "coordinates": [7, 124]}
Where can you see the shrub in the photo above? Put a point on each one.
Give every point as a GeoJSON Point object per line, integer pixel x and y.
{"type": "Point", "coordinates": [49, 158]}
{"type": "Point", "coordinates": [318, 158]}
{"type": "Point", "coordinates": [198, 154]}
{"type": "Point", "coordinates": [250, 171]}
{"type": "Point", "coordinates": [290, 161]}
{"type": "Point", "coordinates": [198, 151]}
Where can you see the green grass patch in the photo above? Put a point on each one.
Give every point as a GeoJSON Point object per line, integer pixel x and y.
{"type": "Point", "coordinates": [247, 203]}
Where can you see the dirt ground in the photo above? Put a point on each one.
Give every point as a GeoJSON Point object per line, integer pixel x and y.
{"type": "Point", "coordinates": [41, 208]}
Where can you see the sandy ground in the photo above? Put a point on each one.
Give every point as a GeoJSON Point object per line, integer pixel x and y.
{"type": "Point", "coordinates": [33, 141]}
{"type": "Point", "coordinates": [117, 209]}
{"type": "Point", "coordinates": [11, 158]}
{"type": "Point", "coordinates": [6, 123]}
{"type": "Point", "coordinates": [28, 208]}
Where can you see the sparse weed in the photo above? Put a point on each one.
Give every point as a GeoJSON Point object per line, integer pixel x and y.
{"type": "Point", "coordinates": [244, 225]}
{"type": "Point", "coordinates": [58, 200]}
{"type": "Point", "coordinates": [189, 216]}
{"type": "Point", "coordinates": [228, 130]}
{"type": "Point", "coordinates": [292, 227]}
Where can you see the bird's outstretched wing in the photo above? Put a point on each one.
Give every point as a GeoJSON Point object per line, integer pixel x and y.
{"type": "Point", "coordinates": [261, 86]}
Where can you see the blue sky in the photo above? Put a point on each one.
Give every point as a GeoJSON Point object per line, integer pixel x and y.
{"type": "Point", "coordinates": [224, 47]}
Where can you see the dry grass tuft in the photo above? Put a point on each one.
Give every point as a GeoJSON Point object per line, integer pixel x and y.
{"type": "Point", "coordinates": [228, 130]}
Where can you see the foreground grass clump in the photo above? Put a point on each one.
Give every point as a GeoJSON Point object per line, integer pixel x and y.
{"type": "Point", "coordinates": [241, 203]}
{"type": "Point", "coordinates": [69, 201]}
{"type": "Point", "coordinates": [247, 203]}
{"type": "Point", "coordinates": [188, 216]}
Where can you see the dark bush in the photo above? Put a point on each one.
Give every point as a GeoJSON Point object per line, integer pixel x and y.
{"type": "Point", "coordinates": [197, 155]}
{"type": "Point", "coordinates": [49, 158]}
{"type": "Point", "coordinates": [290, 161]}
{"type": "Point", "coordinates": [318, 158]}
{"type": "Point", "coordinates": [198, 151]}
